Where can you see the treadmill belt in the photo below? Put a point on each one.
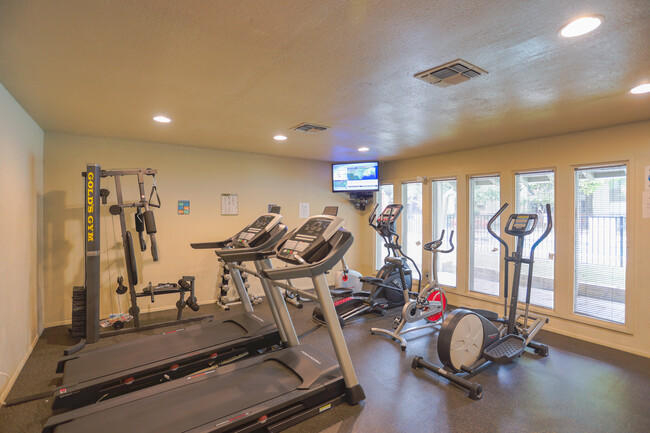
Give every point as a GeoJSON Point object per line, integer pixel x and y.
{"type": "Point", "coordinates": [185, 407]}
{"type": "Point", "coordinates": [127, 356]}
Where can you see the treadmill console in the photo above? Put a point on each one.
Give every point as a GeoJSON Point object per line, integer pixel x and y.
{"type": "Point", "coordinates": [309, 238]}
{"type": "Point", "coordinates": [255, 233]}
{"type": "Point", "coordinates": [520, 224]}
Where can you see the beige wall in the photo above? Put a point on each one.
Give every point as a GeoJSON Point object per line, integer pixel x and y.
{"type": "Point", "coordinates": [21, 194]}
{"type": "Point", "coordinates": [185, 173]}
{"type": "Point", "coordinates": [628, 143]}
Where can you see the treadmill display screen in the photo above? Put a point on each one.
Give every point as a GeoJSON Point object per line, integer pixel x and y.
{"type": "Point", "coordinates": [252, 230]}
{"type": "Point", "coordinates": [305, 236]}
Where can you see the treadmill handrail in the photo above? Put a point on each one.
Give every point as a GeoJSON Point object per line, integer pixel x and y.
{"type": "Point", "coordinates": [210, 245]}
{"type": "Point", "coordinates": [342, 241]}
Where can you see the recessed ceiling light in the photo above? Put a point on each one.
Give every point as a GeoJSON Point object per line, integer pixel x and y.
{"type": "Point", "coordinates": [162, 119]}
{"type": "Point", "coordinates": [581, 26]}
{"type": "Point", "coordinates": [641, 88]}
{"type": "Point", "coordinates": [280, 137]}
{"type": "Point", "coordinates": [363, 149]}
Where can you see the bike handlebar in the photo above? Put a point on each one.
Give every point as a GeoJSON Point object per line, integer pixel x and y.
{"type": "Point", "coordinates": [434, 246]}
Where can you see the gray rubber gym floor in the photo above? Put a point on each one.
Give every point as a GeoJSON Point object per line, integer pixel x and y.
{"type": "Point", "coordinates": [580, 387]}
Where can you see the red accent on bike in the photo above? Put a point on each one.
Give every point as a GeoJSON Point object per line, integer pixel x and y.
{"type": "Point", "coordinates": [129, 381]}
{"type": "Point", "coordinates": [174, 367]}
{"type": "Point", "coordinates": [214, 355]}
{"type": "Point", "coordinates": [435, 297]}
{"type": "Point", "coordinates": [343, 301]}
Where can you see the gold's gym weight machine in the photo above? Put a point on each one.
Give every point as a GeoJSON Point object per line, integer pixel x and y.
{"type": "Point", "coordinates": [85, 299]}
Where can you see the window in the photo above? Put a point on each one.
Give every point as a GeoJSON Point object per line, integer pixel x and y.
{"type": "Point", "coordinates": [484, 250]}
{"type": "Point", "coordinates": [444, 196]}
{"type": "Point", "coordinates": [600, 242]}
{"type": "Point", "coordinates": [412, 223]}
{"type": "Point", "coordinates": [384, 198]}
{"type": "Point", "coordinates": [532, 192]}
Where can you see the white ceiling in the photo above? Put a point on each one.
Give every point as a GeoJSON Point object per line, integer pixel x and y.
{"type": "Point", "coordinates": [231, 74]}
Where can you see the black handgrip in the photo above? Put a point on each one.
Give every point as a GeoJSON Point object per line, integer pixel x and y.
{"type": "Point", "coordinates": [549, 227]}
{"type": "Point", "coordinates": [150, 222]}
{"type": "Point", "coordinates": [139, 227]}
{"type": "Point", "coordinates": [373, 215]}
{"type": "Point", "coordinates": [451, 243]}
{"type": "Point", "coordinates": [489, 227]}
{"type": "Point", "coordinates": [184, 285]}
{"type": "Point", "coordinates": [210, 245]}
{"type": "Point", "coordinates": [131, 265]}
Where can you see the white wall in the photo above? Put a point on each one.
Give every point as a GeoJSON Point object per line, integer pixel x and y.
{"type": "Point", "coordinates": [185, 173]}
{"type": "Point", "coordinates": [21, 195]}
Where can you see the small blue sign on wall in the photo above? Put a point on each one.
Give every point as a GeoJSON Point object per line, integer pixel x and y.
{"type": "Point", "coordinates": [183, 207]}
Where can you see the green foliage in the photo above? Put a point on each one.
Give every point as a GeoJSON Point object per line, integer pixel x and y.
{"type": "Point", "coordinates": [534, 196]}
{"type": "Point", "coordinates": [589, 186]}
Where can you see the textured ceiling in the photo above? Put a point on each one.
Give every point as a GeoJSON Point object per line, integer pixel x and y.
{"type": "Point", "coordinates": [231, 74]}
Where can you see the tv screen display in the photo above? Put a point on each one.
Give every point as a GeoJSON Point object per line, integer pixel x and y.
{"type": "Point", "coordinates": [355, 176]}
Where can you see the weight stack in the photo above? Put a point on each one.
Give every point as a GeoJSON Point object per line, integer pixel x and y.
{"type": "Point", "coordinates": [78, 328]}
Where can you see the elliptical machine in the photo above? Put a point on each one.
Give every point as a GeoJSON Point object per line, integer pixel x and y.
{"type": "Point", "coordinates": [468, 338]}
{"type": "Point", "coordinates": [386, 289]}
{"type": "Point", "coordinates": [428, 305]}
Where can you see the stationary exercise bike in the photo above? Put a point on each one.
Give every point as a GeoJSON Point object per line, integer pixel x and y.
{"type": "Point", "coordinates": [386, 289]}
{"type": "Point", "coordinates": [469, 338]}
{"type": "Point", "coordinates": [428, 305]}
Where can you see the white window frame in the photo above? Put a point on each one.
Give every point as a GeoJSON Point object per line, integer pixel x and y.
{"type": "Point", "coordinates": [628, 326]}
{"type": "Point", "coordinates": [514, 200]}
{"type": "Point", "coordinates": [446, 238]}
{"type": "Point", "coordinates": [474, 293]}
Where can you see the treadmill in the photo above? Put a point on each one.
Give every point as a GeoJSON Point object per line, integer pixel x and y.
{"type": "Point", "coordinates": [269, 392]}
{"type": "Point", "coordinates": [114, 370]}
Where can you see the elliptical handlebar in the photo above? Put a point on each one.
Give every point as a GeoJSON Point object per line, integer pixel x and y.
{"type": "Point", "coordinates": [373, 216]}
{"type": "Point", "coordinates": [549, 227]}
{"type": "Point", "coordinates": [494, 235]}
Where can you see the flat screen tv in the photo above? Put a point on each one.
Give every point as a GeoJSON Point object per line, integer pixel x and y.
{"type": "Point", "coordinates": [355, 176]}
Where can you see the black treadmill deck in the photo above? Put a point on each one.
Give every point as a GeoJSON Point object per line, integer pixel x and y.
{"type": "Point", "coordinates": [90, 375]}
{"type": "Point", "coordinates": [292, 380]}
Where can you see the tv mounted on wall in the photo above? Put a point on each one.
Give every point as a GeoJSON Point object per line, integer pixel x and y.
{"type": "Point", "coordinates": [355, 176]}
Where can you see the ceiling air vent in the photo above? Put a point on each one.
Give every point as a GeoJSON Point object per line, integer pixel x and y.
{"type": "Point", "coordinates": [310, 128]}
{"type": "Point", "coordinates": [455, 72]}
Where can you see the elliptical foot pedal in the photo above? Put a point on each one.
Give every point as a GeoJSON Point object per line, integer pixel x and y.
{"type": "Point", "coordinates": [506, 349]}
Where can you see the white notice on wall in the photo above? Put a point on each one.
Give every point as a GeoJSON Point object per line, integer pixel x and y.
{"type": "Point", "coordinates": [645, 204]}
{"type": "Point", "coordinates": [303, 210]}
{"type": "Point", "coordinates": [229, 204]}
{"type": "Point", "coordinates": [646, 181]}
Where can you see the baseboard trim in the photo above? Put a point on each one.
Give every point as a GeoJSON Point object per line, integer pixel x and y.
{"type": "Point", "coordinates": [582, 337]}
{"type": "Point", "coordinates": [12, 380]}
